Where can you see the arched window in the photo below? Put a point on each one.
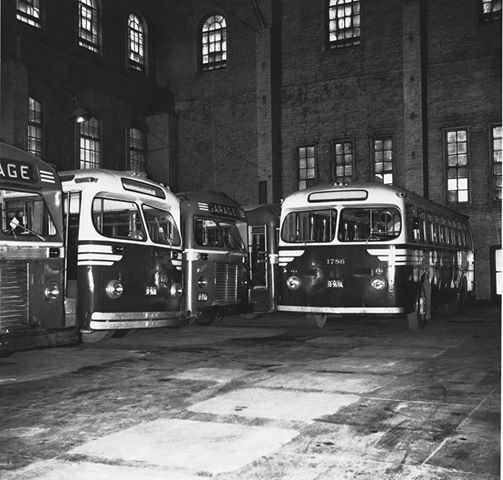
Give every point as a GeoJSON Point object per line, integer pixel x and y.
{"type": "Point", "coordinates": [89, 25]}
{"type": "Point", "coordinates": [214, 43]}
{"type": "Point", "coordinates": [136, 43]}
{"type": "Point", "coordinates": [90, 143]}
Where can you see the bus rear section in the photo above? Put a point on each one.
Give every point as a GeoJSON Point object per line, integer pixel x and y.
{"type": "Point", "coordinates": [215, 257]}
{"type": "Point", "coordinates": [360, 250]}
{"type": "Point", "coordinates": [124, 268]}
{"type": "Point", "coordinates": [31, 254]}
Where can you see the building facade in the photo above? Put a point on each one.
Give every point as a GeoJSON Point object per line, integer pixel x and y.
{"type": "Point", "coordinates": [280, 95]}
{"type": "Point", "coordinates": [79, 85]}
{"type": "Point", "coordinates": [259, 98]}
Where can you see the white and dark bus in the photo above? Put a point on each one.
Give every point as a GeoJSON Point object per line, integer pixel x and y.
{"type": "Point", "coordinates": [215, 257]}
{"type": "Point", "coordinates": [124, 252]}
{"type": "Point", "coordinates": [372, 249]}
{"type": "Point", "coordinates": [31, 253]}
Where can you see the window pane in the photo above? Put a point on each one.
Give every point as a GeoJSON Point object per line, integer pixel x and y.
{"type": "Point", "coordinates": [214, 45]}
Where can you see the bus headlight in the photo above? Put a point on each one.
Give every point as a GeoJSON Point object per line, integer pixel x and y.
{"type": "Point", "coordinates": [293, 282]}
{"type": "Point", "coordinates": [202, 282]}
{"type": "Point", "coordinates": [175, 290]}
{"type": "Point", "coordinates": [114, 289]}
{"type": "Point", "coordinates": [378, 283]}
{"type": "Point", "coordinates": [51, 292]}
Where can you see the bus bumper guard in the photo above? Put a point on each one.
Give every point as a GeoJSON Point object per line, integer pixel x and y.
{"type": "Point", "coordinates": [118, 320]}
{"type": "Point", "coordinates": [342, 310]}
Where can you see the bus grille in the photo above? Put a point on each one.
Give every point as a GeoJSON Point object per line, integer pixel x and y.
{"type": "Point", "coordinates": [13, 295]}
{"type": "Point", "coordinates": [226, 289]}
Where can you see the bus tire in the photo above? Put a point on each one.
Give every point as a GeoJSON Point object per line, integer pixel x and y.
{"type": "Point", "coordinates": [95, 336]}
{"type": "Point", "coordinates": [207, 318]}
{"type": "Point", "coordinates": [417, 319]}
{"type": "Point", "coordinates": [124, 333]}
{"type": "Point", "coordinates": [462, 298]}
{"type": "Point", "coordinates": [252, 316]}
{"type": "Point", "coordinates": [317, 319]}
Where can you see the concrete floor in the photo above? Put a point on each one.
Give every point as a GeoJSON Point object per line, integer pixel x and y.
{"type": "Point", "coordinates": [271, 398]}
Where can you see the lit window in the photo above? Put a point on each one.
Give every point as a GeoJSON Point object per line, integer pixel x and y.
{"type": "Point", "coordinates": [214, 43]}
{"type": "Point", "coordinates": [35, 127]}
{"type": "Point", "coordinates": [457, 166]}
{"type": "Point", "coordinates": [496, 155]}
{"type": "Point", "coordinates": [28, 11]}
{"type": "Point", "coordinates": [89, 25]}
{"type": "Point", "coordinates": [343, 22]}
{"type": "Point", "coordinates": [90, 143]}
{"type": "Point", "coordinates": [343, 162]}
{"type": "Point", "coordinates": [383, 160]}
{"type": "Point", "coordinates": [491, 9]}
{"type": "Point", "coordinates": [136, 46]}
{"type": "Point", "coordinates": [136, 150]}
{"type": "Point", "coordinates": [306, 158]}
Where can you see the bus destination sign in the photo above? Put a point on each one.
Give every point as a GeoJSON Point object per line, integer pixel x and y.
{"type": "Point", "coordinates": [16, 171]}
{"type": "Point", "coordinates": [225, 210]}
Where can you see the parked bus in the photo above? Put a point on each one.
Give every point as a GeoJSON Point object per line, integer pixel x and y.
{"type": "Point", "coordinates": [263, 225]}
{"type": "Point", "coordinates": [31, 253]}
{"type": "Point", "coordinates": [215, 257]}
{"type": "Point", "coordinates": [372, 249]}
{"type": "Point", "coordinates": [124, 261]}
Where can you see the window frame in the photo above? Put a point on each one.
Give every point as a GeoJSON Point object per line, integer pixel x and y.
{"type": "Point", "coordinates": [28, 19]}
{"type": "Point", "coordinates": [213, 65]}
{"type": "Point", "coordinates": [333, 160]}
{"type": "Point", "coordinates": [92, 46]}
{"type": "Point", "coordinates": [36, 125]}
{"type": "Point", "coordinates": [375, 173]}
{"type": "Point", "coordinates": [309, 181]}
{"type": "Point", "coordinates": [98, 139]}
{"type": "Point", "coordinates": [492, 163]}
{"type": "Point", "coordinates": [135, 65]}
{"type": "Point", "coordinates": [492, 15]}
{"type": "Point", "coordinates": [447, 168]}
{"type": "Point", "coordinates": [353, 40]}
{"type": "Point", "coordinates": [130, 148]}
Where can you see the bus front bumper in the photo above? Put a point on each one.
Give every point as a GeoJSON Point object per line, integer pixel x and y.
{"type": "Point", "coordinates": [133, 320]}
{"type": "Point", "coordinates": [343, 310]}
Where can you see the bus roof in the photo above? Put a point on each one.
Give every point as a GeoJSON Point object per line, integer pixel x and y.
{"type": "Point", "coordinates": [18, 167]}
{"type": "Point", "coordinates": [115, 181]}
{"type": "Point", "coordinates": [325, 195]}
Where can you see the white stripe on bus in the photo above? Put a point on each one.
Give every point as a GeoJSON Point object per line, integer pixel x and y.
{"type": "Point", "coordinates": [98, 256]}
{"type": "Point", "coordinates": [95, 248]}
{"type": "Point", "coordinates": [94, 262]}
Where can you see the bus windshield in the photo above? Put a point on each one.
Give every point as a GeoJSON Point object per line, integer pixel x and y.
{"type": "Point", "coordinates": [369, 224]}
{"type": "Point", "coordinates": [25, 217]}
{"type": "Point", "coordinates": [118, 219]}
{"type": "Point", "coordinates": [217, 233]}
{"type": "Point", "coordinates": [309, 226]}
{"type": "Point", "coordinates": [161, 226]}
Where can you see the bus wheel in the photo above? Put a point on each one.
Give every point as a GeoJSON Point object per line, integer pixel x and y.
{"type": "Point", "coordinates": [317, 319]}
{"type": "Point", "coordinates": [462, 299]}
{"type": "Point", "coordinates": [95, 336]}
{"type": "Point", "coordinates": [124, 333]}
{"type": "Point", "coordinates": [422, 312]}
{"type": "Point", "coordinates": [252, 316]}
{"type": "Point", "coordinates": [207, 318]}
